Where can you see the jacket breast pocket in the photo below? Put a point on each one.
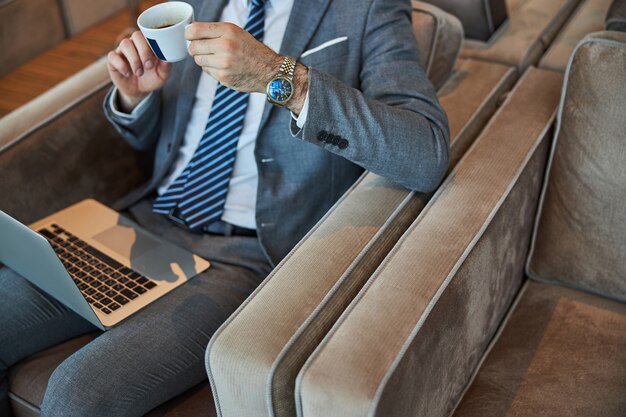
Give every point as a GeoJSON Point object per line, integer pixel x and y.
{"type": "Point", "coordinates": [327, 51]}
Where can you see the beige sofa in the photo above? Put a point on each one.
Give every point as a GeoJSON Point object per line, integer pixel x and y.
{"type": "Point", "coordinates": [38, 138]}
{"type": "Point", "coordinates": [449, 323]}
{"type": "Point", "coordinates": [531, 27]}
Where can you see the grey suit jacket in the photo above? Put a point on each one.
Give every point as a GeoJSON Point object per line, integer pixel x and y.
{"type": "Point", "coordinates": [370, 107]}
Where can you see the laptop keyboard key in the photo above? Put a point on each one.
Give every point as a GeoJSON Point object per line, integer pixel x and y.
{"type": "Point", "coordinates": [98, 296]}
{"type": "Point", "coordinates": [128, 293]}
{"type": "Point", "coordinates": [139, 290]}
{"type": "Point", "coordinates": [141, 280]}
{"type": "Point", "coordinates": [97, 305]}
{"type": "Point", "coordinates": [114, 306]}
{"type": "Point", "coordinates": [121, 299]}
{"type": "Point", "coordinates": [131, 285]}
{"type": "Point", "coordinates": [150, 285]}
{"type": "Point", "coordinates": [111, 293]}
{"type": "Point", "coordinates": [106, 301]}
{"type": "Point", "coordinates": [106, 310]}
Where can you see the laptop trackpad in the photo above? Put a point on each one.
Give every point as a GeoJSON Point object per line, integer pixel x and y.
{"type": "Point", "coordinates": [127, 241]}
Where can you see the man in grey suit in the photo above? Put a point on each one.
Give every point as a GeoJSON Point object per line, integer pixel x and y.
{"type": "Point", "coordinates": [236, 179]}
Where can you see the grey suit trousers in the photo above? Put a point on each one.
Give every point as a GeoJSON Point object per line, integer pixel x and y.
{"type": "Point", "coordinates": [151, 357]}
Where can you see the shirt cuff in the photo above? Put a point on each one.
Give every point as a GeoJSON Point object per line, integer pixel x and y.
{"type": "Point", "coordinates": [133, 115]}
{"type": "Point", "coordinates": [301, 120]}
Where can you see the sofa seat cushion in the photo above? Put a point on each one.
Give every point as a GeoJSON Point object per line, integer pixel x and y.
{"type": "Point", "coordinates": [616, 17]}
{"type": "Point", "coordinates": [587, 19]}
{"type": "Point", "coordinates": [561, 353]}
{"type": "Point", "coordinates": [580, 237]}
{"type": "Point", "coordinates": [28, 379]}
{"type": "Point", "coordinates": [532, 26]}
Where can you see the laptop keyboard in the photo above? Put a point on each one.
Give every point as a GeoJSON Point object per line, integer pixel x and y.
{"type": "Point", "coordinates": [106, 284]}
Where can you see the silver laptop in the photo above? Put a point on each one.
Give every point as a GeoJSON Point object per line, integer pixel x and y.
{"type": "Point", "coordinates": [98, 263]}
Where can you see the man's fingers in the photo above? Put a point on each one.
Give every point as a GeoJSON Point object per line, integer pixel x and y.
{"type": "Point", "coordinates": [118, 63]}
{"type": "Point", "coordinates": [147, 57]}
{"type": "Point", "coordinates": [127, 48]}
{"type": "Point", "coordinates": [208, 30]}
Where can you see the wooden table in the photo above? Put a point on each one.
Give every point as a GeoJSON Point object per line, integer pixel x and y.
{"type": "Point", "coordinates": [67, 58]}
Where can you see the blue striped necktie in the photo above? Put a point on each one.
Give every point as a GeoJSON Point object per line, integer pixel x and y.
{"type": "Point", "coordinates": [199, 193]}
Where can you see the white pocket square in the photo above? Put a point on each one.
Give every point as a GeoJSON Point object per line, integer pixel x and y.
{"type": "Point", "coordinates": [324, 46]}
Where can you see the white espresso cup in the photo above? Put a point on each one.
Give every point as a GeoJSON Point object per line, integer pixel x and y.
{"type": "Point", "coordinates": [164, 26]}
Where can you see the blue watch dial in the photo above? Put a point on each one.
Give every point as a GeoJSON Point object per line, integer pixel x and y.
{"type": "Point", "coordinates": [280, 90]}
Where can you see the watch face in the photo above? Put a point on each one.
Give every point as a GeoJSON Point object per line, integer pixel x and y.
{"type": "Point", "coordinates": [280, 90]}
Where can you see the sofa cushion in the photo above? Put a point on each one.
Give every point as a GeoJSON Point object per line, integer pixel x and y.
{"type": "Point", "coordinates": [28, 379]}
{"type": "Point", "coordinates": [588, 18]}
{"type": "Point", "coordinates": [73, 156]}
{"type": "Point", "coordinates": [19, 40]}
{"type": "Point", "coordinates": [561, 353]}
{"type": "Point", "coordinates": [440, 37]}
{"type": "Point", "coordinates": [81, 14]}
{"type": "Point", "coordinates": [580, 236]}
{"type": "Point", "coordinates": [480, 18]}
{"type": "Point", "coordinates": [412, 337]}
{"type": "Point", "coordinates": [531, 27]}
{"type": "Point", "coordinates": [616, 17]}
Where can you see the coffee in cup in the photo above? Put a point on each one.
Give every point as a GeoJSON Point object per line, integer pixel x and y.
{"type": "Point", "coordinates": [164, 26]}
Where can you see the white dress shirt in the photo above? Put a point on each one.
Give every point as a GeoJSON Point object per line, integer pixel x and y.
{"type": "Point", "coordinates": [240, 206]}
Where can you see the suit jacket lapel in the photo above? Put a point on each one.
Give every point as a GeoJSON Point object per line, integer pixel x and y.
{"type": "Point", "coordinates": [305, 17]}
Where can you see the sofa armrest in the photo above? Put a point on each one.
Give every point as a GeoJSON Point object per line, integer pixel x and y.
{"type": "Point", "coordinates": [307, 292]}
{"type": "Point", "coordinates": [408, 343]}
{"type": "Point", "coordinates": [60, 149]}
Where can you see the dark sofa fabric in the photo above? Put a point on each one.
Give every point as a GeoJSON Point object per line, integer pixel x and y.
{"type": "Point", "coordinates": [616, 17]}
{"type": "Point", "coordinates": [561, 353]}
{"type": "Point", "coordinates": [480, 18]}
{"type": "Point", "coordinates": [75, 156]}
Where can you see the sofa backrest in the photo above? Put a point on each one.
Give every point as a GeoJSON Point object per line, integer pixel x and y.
{"type": "Point", "coordinates": [440, 38]}
{"type": "Point", "coordinates": [60, 149]}
{"type": "Point", "coordinates": [28, 28]}
{"type": "Point", "coordinates": [81, 14]}
{"type": "Point", "coordinates": [580, 235]}
{"type": "Point", "coordinates": [616, 17]}
{"type": "Point", "coordinates": [480, 18]}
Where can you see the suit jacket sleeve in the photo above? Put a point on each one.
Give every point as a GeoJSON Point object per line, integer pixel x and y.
{"type": "Point", "coordinates": [141, 128]}
{"type": "Point", "coordinates": [394, 125]}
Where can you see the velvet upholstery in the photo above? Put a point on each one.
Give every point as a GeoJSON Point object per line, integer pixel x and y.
{"type": "Point", "coordinates": [78, 148]}
{"type": "Point", "coordinates": [423, 311]}
{"type": "Point", "coordinates": [480, 18]}
{"type": "Point", "coordinates": [616, 16]}
{"type": "Point", "coordinates": [470, 97]}
{"type": "Point", "coordinates": [440, 36]}
{"type": "Point", "coordinates": [561, 353]}
{"type": "Point", "coordinates": [581, 233]}
{"type": "Point", "coordinates": [22, 17]}
{"type": "Point", "coordinates": [531, 28]}
{"type": "Point", "coordinates": [82, 14]}
{"type": "Point", "coordinates": [366, 222]}
{"type": "Point", "coordinates": [588, 18]}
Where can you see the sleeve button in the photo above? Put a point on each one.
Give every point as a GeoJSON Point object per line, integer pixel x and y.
{"type": "Point", "coordinates": [343, 144]}
{"type": "Point", "coordinates": [322, 135]}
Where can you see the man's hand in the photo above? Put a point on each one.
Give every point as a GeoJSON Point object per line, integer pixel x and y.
{"type": "Point", "coordinates": [136, 71]}
{"type": "Point", "coordinates": [237, 60]}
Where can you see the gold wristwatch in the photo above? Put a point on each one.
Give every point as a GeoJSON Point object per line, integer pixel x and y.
{"type": "Point", "coordinates": [280, 89]}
